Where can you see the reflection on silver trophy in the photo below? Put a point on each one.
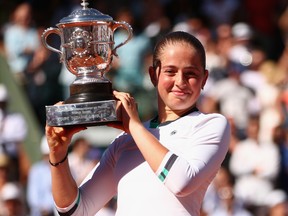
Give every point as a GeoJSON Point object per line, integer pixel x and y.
{"type": "Point", "coordinates": [87, 49]}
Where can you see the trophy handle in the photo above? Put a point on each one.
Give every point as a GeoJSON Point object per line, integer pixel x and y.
{"type": "Point", "coordinates": [128, 28]}
{"type": "Point", "coordinates": [44, 36]}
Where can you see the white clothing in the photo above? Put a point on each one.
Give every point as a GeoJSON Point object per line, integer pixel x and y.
{"type": "Point", "coordinates": [105, 211]}
{"type": "Point", "coordinates": [17, 40]}
{"type": "Point", "coordinates": [255, 167]}
{"type": "Point", "coordinates": [13, 130]}
{"type": "Point", "coordinates": [234, 99]}
{"type": "Point", "coordinates": [268, 96]}
{"type": "Point", "coordinates": [39, 188]}
{"type": "Point", "coordinates": [250, 155]}
{"type": "Point", "coordinates": [240, 54]}
{"type": "Point", "coordinates": [253, 79]}
{"type": "Point", "coordinates": [198, 144]}
{"type": "Point", "coordinates": [237, 211]}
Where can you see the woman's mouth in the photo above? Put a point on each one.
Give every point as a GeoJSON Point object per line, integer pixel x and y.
{"type": "Point", "coordinates": [179, 93]}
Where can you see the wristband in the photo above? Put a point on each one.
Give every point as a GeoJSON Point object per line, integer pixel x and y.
{"type": "Point", "coordinates": [56, 164]}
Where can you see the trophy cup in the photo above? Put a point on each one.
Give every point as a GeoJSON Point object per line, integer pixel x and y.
{"type": "Point", "coordinates": [87, 49]}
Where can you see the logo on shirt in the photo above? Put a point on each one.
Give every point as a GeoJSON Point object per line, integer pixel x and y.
{"type": "Point", "coordinates": [173, 132]}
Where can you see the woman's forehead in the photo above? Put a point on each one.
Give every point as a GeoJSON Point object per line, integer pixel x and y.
{"type": "Point", "coordinates": [178, 49]}
{"type": "Point", "coordinates": [178, 43]}
{"type": "Point", "coordinates": [177, 46]}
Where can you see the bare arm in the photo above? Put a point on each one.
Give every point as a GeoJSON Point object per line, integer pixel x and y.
{"type": "Point", "coordinates": [64, 188]}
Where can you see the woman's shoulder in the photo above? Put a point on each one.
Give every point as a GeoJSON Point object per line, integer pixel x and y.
{"type": "Point", "coordinates": [210, 121]}
{"type": "Point", "coordinates": [193, 118]}
{"type": "Point", "coordinates": [207, 116]}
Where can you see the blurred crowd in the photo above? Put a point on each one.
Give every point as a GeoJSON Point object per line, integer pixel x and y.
{"type": "Point", "coordinates": [246, 44]}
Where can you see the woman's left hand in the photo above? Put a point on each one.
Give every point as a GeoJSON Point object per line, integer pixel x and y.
{"type": "Point", "coordinates": [129, 111]}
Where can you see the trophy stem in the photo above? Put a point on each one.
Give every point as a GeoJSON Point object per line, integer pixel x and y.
{"type": "Point", "coordinates": [89, 74]}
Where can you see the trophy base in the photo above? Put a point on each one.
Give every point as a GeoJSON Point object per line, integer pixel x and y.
{"type": "Point", "coordinates": [86, 114]}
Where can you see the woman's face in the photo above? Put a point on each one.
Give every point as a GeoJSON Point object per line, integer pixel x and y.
{"type": "Point", "coordinates": [180, 79]}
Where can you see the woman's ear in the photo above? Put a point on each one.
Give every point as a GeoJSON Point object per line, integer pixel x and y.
{"type": "Point", "coordinates": [206, 73]}
{"type": "Point", "coordinates": [153, 76]}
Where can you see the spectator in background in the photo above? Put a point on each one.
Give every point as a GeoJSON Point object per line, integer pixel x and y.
{"type": "Point", "coordinates": [252, 77]}
{"type": "Point", "coordinates": [226, 93]}
{"type": "Point", "coordinates": [280, 138]}
{"type": "Point", "coordinates": [79, 162]}
{"type": "Point", "coordinates": [42, 79]}
{"type": "Point", "coordinates": [131, 66]}
{"type": "Point", "coordinates": [94, 154]}
{"type": "Point", "coordinates": [284, 104]}
{"type": "Point", "coordinates": [239, 53]}
{"type": "Point", "coordinates": [20, 40]}
{"type": "Point", "coordinates": [282, 65]}
{"type": "Point", "coordinates": [277, 203]}
{"type": "Point", "coordinates": [263, 19]}
{"type": "Point", "coordinates": [269, 96]}
{"type": "Point", "coordinates": [39, 195]}
{"type": "Point", "coordinates": [13, 131]}
{"type": "Point", "coordinates": [255, 165]}
{"type": "Point", "coordinates": [220, 199]}
{"type": "Point", "coordinates": [217, 62]}
{"type": "Point", "coordinates": [230, 98]}
{"type": "Point", "coordinates": [12, 195]}
{"type": "Point", "coordinates": [219, 12]}
{"type": "Point", "coordinates": [234, 140]}
{"type": "Point", "coordinates": [224, 41]}
{"type": "Point", "coordinates": [4, 164]}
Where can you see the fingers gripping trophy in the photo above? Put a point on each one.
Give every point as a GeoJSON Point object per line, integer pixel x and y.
{"type": "Point", "coordinates": [87, 49]}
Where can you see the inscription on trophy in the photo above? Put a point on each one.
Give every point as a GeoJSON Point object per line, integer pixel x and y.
{"type": "Point", "coordinates": [82, 113]}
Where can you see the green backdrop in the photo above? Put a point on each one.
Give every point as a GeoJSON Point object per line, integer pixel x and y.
{"type": "Point", "coordinates": [18, 103]}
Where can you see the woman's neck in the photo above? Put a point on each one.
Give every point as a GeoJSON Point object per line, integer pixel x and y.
{"type": "Point", "coordinates": [171, 115]}
{"type": "Point", "coordinates": [167, 116]}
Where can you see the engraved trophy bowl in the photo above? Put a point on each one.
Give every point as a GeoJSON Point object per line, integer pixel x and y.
{"type": "Point", "coordinates": [87, 49]}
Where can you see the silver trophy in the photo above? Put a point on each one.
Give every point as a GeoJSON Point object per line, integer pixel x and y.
{"type": "Point", "coordinates": [87, 49]}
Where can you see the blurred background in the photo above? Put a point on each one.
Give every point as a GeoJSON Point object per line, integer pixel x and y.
{"type": "Point", "coordinates": [246, 44]}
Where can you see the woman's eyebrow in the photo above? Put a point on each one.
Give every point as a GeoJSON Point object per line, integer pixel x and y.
{"type": "Point", "coordinates": [193, 67]}
{"type": "Point", "coordinates": [168, 66]}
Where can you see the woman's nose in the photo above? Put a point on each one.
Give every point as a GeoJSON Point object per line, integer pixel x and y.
{"type": "Point", "coordinates": [180, 79]}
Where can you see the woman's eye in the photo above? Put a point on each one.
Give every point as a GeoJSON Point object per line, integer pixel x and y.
{"type": "Point", "coordinates": [169, 72]}
{"type": "Point", "coordinates": [191, 74]}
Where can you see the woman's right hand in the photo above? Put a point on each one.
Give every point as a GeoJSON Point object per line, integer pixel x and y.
{"type": "Point", "coordinates": [59, 138]}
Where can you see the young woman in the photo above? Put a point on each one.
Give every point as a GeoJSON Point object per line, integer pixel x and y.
{"type": "Point", "coordinates": [161, 167]}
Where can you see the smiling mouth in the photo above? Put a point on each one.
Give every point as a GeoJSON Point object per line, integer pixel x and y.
{"type": "Point", "coordinates": [179, 93]}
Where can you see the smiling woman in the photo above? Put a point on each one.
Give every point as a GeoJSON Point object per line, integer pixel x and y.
{"type": "Point", "coordinates": [178, 72]}
{"type": "Point", "coordinates": [159, 167]}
